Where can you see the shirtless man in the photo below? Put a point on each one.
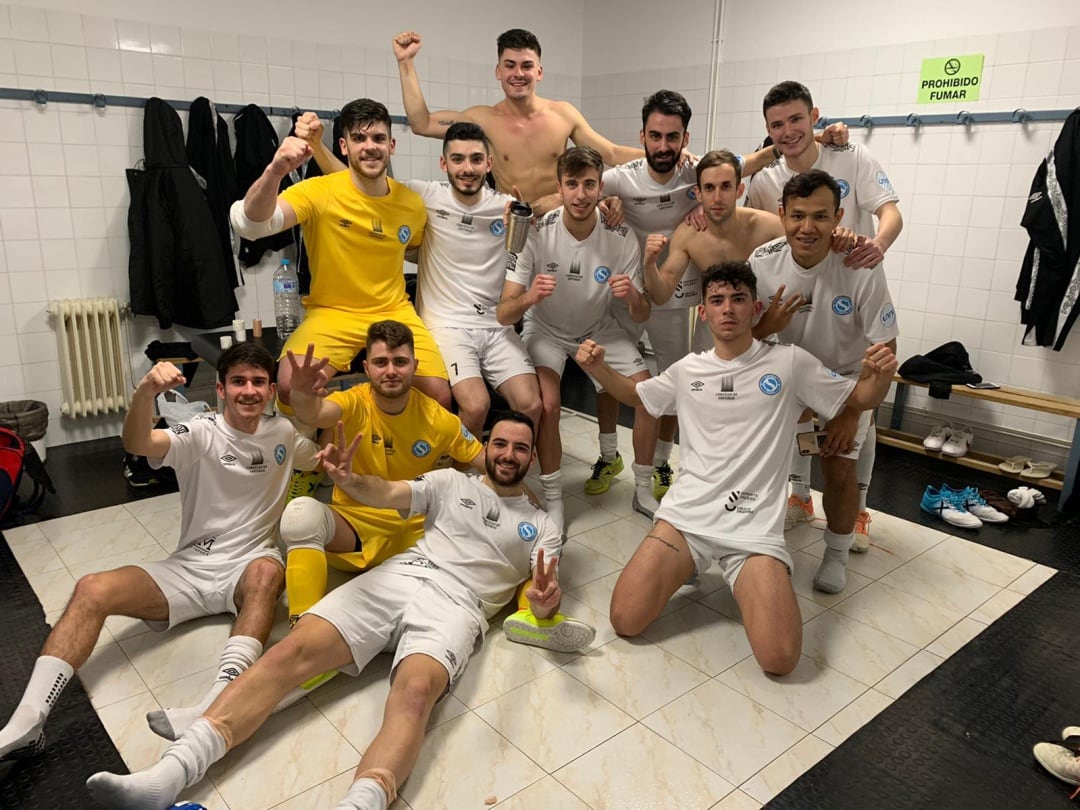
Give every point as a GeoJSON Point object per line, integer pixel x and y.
{"type": "Point", "coordinates": [731, 234]}
{"type": "Point", "coordinates": [527, 132]}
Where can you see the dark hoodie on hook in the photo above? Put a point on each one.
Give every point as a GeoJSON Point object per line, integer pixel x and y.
{"type": "Point", "coordinates": [176, 268]}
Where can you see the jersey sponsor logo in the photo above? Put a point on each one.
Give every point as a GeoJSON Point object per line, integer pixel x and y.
{"type": "Point", "coordinates": [770, 248]}
{"type": "Point", "coordinates": [420, 562]}
{"type": "Point", "coordinates": [770, 385]}
{"type": "Point", "coordinates": [732, 500]}
{"type": "Point", "coordinates": [845, 188]}
{"type": "Point", "coordinates": [527, 531]}
{"type": "Point", "coordinates": [883, 181]}
{"type": "Point", "coordinates": [621, 230]}
{"type": "Point", "coordinates": [511, 262]}
{"type": "Point", "coordinates": [345, 223]}
{"type": "Point", "coordinates": [204, 547]}
{"type": "Point", "coordinates": [888, 315]}
{"type": "Point", "coordinates": [480, 310]}
{"type": "Point", "coordinates": [229, 459]}
{"type": "Point", "coordinates": [466, 225]}
{"type": "Point", "coordinates": [842, 305]}
{"type": "Point", "coordinates": [740, 501]}
{"type": "Point", "coordinates": [1035, 197]}
{"type": "Point", "coordinates": [497, 228]}
{"type": "Point", "coordinates": [575, 271]}
{"type": "Point", "coordinates": [601, 274]}
{"type": "Point", "coordinates": [403, 234]}
{"type": "Point", "coordinates": [388, 445]}
{"type": "Point", "coordinates": [727, 387]}
{"type": "Point", "coordinates": [376, 228]}
{"type": "Point", "coordinates": [420, 448]}
{"type": "Point", "coordinates": [258, 463]}
{"type": "Point", "coordinates": [491, 518]}
{"type": "Point", "coordinates": [279, 454]}
{"type": "Point", "coordinates": [179, 430]}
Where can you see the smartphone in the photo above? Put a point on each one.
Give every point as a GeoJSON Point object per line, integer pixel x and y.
{"type": "Point", "coordinates": [983, 386]}
{"type": "Point", "coordinates": [810, 444]}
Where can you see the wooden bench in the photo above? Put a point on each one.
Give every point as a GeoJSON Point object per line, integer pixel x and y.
{"type": "Point", "coordinates": [1062, 479]}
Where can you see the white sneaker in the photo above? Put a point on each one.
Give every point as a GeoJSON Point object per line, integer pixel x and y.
{"type": "Point", "coordinates": [937, 437]}
{"type": "Point", "coordinates": [938, 503]}
{"type": "Point", "coordinates": [976, 504]}
{"type": "Point", "coordinates": [958, 443]}
{"type": "Point", "coordinates": [1062, 762]}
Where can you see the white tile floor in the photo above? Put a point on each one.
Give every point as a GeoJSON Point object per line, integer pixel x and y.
{"type": "Point", "coordinates": [682, 718]}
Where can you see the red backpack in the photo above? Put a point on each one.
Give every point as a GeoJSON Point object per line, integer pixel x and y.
{"type": "Point", "coordinates": [16, 457]}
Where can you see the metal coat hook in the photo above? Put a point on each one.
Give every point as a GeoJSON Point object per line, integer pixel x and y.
{"type": "Point", "coordinates": [1020, 115]}
{"type": "Point", "coordinates": [41, 97]}
{"type": "Point", "coordinates": [965, 118]}
{"type": "Point", "coordinates": [913, 120]}
{"type": "Point", "coordinates": [99, 101]}
{"type": "Point", "coordinates": [867, 121]}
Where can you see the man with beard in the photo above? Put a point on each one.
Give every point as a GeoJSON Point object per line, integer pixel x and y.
{"type": "Point", "coordinates": [404, 434]}
{"type": "Point", "coordinates": [462, 264]}
{"type": "Point", "coordinates": [233, 470]}
{"type": "Point", "coordinates": [481, 538]}
{"type": "Point", "coordinates": [573, 268]}
{"type": "Point", "coordinates": [357, 226]}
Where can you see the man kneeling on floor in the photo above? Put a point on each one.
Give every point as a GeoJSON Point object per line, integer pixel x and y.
{"type": "Point", "coordinates": [736, 407]}
{"type": "Point", "coordinates": [482, 537]}
{"type": "Point", "coordinates": [233, 472]}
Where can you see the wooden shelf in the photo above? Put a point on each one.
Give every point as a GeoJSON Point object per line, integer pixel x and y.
{"type": "Point", "coordinates": [985, 462]}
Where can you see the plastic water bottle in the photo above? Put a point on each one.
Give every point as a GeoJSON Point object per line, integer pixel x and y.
{"type": "Point", "coordinates": [287, 308]}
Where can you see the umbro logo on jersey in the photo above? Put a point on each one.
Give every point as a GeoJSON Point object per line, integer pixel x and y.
{"type": "Point", "coordinates": [467, 503]}
{"type": "Point", "coordinates": [639, 200]}
{"type": "Point", "coordinates": [552, 266]}
{"type": "Point", "coordinates": [228, 459]}
{"type": "Point", "coordinates": [345, 223]}
{"type": "Point", "coordinates": [441, 214]}
{"type": "Point", "coordinates": [697, 385]}
{"type": "Point", "coordinates": [375, 438]}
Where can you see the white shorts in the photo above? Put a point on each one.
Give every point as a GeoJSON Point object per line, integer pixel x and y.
{"type": "Point", "coordinates": [551, 352]}
{"type": "Point", "coordinates": [494, 354]}
{"type": "Point", "coordinates": [194, 588]}
{"type": "Point", "coordinates": [669, 336]}
{"type": "Point", "coordinates": [732, 554]}
{"type": "Point", "coordinates": [383, 609]}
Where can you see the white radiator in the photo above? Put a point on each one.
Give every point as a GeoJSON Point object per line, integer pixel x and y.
{"type": "Point", "coordinates": [91, 356]}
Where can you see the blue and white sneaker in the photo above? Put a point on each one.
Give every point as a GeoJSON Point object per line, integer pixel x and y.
{"type": "Point", "coordinates": [970, 500]}
{"type": "Point", "coordinates": [936, 502]}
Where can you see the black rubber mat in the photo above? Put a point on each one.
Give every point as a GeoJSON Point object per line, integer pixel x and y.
{"type": "Point", "coordinates": [77, 745]}
{"type": "Point", "coordinates": [962, 737]}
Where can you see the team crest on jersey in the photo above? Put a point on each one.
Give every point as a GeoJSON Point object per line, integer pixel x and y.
{"type": "Point", "coordinates": [420, 448]}
{"type": "Point", "coordinates": [527, 531]}
{"type": "Point", "coordinates": [601, 274]}
{"type": "Point", "coordinates": [883, 181]}
{"type": "Point", "coordinates": [888, 316]}
{"type": "Point", "coordinates": [770, 385]}
{"type": "Point", "coordinates": [691, 194]}
{"type": "Point", "coordinates": [845, 189]}
{"type": "Point", "coordinates": [403, 234]}
{"type": "Point", "coordinates": [842, 305]}
{"type": "Point", "coordinates": [279, 454]}
{"type": "Point", "coordinates": [830, 373]}
{"type": "Point", "coordinates": [466, 432]}
{"type": "Point", "coordinates": [497, 228]}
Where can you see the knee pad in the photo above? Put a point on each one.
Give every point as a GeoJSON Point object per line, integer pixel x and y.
{"type": "Point", "coordinates": [306, 523]}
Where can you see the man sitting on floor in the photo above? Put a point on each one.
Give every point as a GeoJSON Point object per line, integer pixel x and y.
{"type": "Point", "coordinates": [482, 536]}
{"type": "Point", "coordinates": [233, 472]}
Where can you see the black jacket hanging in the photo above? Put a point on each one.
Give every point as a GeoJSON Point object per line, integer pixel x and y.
{"type": "Point", "coordinates": [176, 269]}
{"type": "Point", "coordinates": [209, 155]}
{"type": "Point", "coordinates": [256, 143]}
{"type": "Point", "coordinates": [1049, 285]}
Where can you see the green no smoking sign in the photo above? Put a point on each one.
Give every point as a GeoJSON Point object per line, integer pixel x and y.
{"type": "Point", "coordinates": [951, 78]}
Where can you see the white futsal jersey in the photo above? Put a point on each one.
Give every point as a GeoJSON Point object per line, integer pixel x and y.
{"type": "Point", "coordinates": [846, 310]}
{"type": "Point", "coordinates": [651, 207]}
{"type": "Point", "coordinates": [864, 186]}
{"type": "Point", "coordinates": [233, 484]}
{"type": "Point", "coordinates": [462, 258]}
{"type": "Point", "coordinates": [736, 425]}
{"type": "Point", "coordinates": [582, 300]}
{"type": "Point", "coordinates": [480, 541]}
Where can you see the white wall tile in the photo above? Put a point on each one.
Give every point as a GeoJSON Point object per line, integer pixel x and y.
{"type": "Point", "coordinates": [133, 36]}
{"type": "Point", "coordinates": [28, 23]}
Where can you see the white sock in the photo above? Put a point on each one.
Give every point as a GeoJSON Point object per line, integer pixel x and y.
{"type": "Point", "coordinates": [183, 764]}
{"type": "Point", "coordinates": [831, 576]}
{"type": "Point", "coordinates": [363, 794]}
{"type": "Point", "coordinates": [799, 471]}
{"type": "Point", "coordinates": [662, 453]}
{"type": "Point", "coordinates": [643, 484]}
{"type": "Point", "coordinates": [609, 446]}
{"type": "Point", "coordinates": [240, 653]}
{"type": "Point", "coordinates": [551, 484]}
{"type": "Point", "coordinates": [864, 465]}
{"type": "Point", "coordinates": [47, 680]}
